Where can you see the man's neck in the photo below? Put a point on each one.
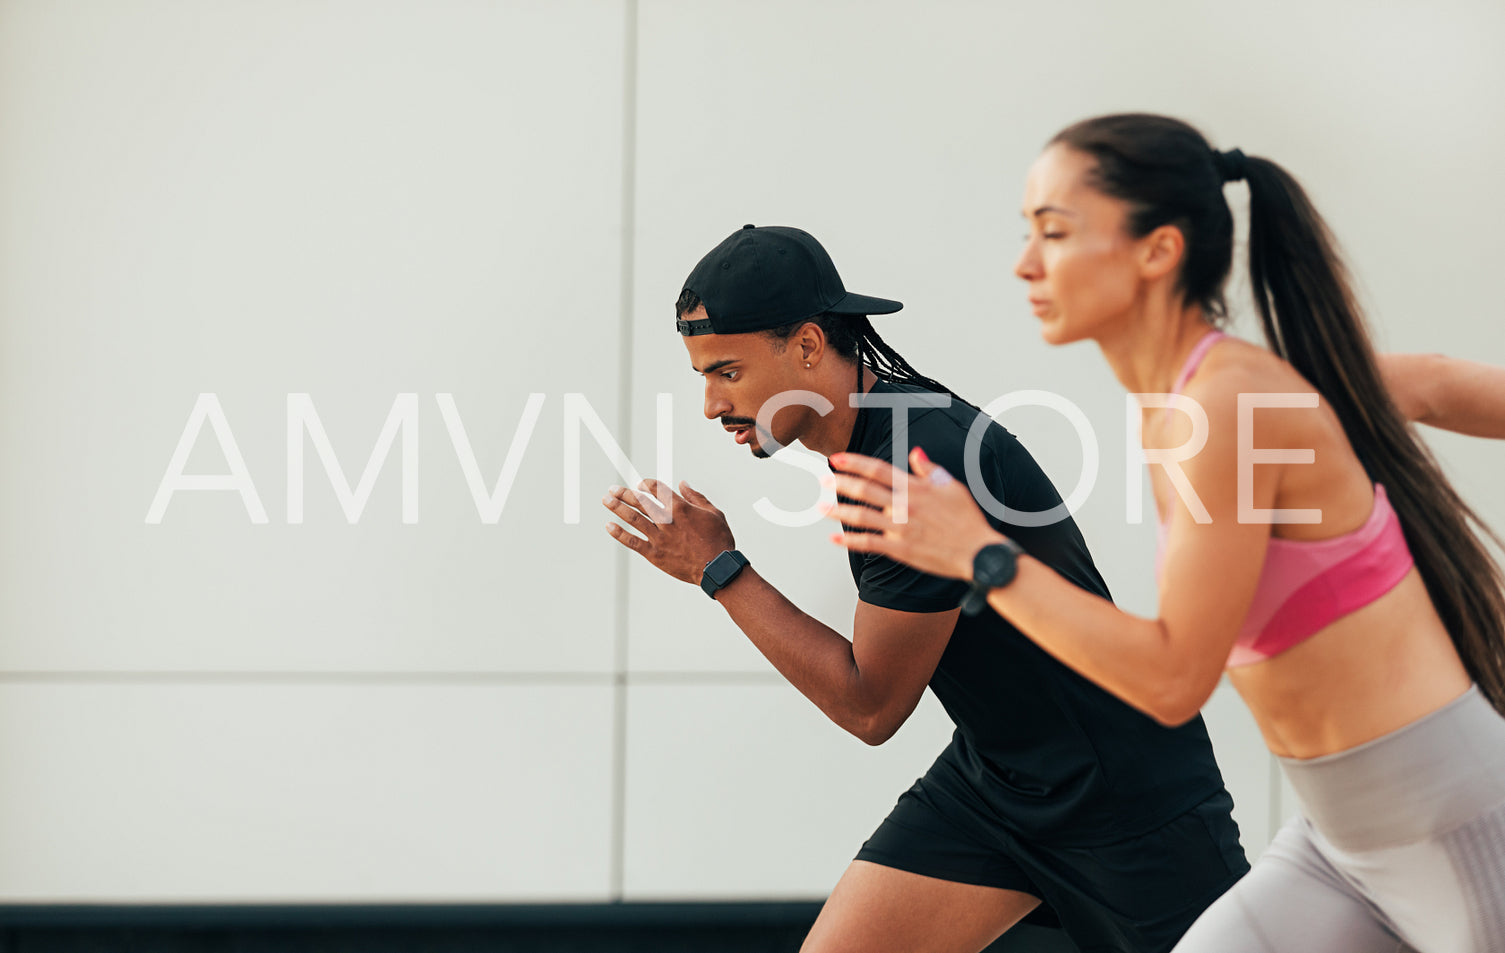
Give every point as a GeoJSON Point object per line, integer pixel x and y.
{"type": "Point", "coordinates": [833, 432]}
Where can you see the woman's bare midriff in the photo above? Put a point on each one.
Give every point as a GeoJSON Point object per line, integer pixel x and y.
{"type": "Point", "coordinates": [1369, 673]}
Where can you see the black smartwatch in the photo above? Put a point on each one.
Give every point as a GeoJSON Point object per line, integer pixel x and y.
{"type": "Point", "coordinates": [721, 571]}
{"type": "Point", "coordinates": [992, 568]}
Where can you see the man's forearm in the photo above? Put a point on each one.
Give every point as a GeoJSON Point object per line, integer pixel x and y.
{"type": "Point", "coordinates": [815, 658]}
{"type": "Point", "coordinates": [868, 686]}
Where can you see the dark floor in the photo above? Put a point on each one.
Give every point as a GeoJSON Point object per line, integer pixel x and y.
{"type": "Point", "coordinates": [607, 928]}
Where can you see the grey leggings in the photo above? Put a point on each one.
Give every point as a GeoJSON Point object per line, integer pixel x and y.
{"type": "Point", "coordinates": [1401, 846]}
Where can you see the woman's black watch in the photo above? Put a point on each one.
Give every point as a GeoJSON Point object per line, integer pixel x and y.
{"type": "Point", "coordinates": [993, 567]}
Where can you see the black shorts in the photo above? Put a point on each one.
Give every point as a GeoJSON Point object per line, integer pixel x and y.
{"type": "Point", "coordinates": [1139, 894]}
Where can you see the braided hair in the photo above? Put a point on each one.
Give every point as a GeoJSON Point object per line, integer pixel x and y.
{"type": "Point", "coordinates": [865, 347]}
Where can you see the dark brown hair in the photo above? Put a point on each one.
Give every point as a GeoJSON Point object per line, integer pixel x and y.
{"type": "Point", "coordinates": [1169, 175]}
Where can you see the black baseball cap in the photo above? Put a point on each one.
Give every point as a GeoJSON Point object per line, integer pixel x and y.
{"type": "Point", "coordinates": [766, 277]}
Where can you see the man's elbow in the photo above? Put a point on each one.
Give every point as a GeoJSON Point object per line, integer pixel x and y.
{"type": "Point", "coordinates": [1175, 717]}
{"type": "Point", "coordinates": [876, 728]}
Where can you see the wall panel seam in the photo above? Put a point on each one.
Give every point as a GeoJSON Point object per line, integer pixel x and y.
{"type": "Point", "coordinates": [617, 861]}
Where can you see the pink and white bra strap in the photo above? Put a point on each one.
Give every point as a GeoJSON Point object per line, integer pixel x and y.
{"type": "Point", "coordinates": [1194, 359]}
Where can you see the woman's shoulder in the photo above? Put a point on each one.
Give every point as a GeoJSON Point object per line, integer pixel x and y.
{"type": "Point", "coordinates": [1252, 398]}
{"type": "Point", "coordinates": [1234, 366]}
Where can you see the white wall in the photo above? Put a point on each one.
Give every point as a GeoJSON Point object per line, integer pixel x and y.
{"type": "Point", "coordinates": [493, 200]}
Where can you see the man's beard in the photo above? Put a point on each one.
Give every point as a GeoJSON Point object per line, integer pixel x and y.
{"type": "Point", "coordinates": [754, 443]}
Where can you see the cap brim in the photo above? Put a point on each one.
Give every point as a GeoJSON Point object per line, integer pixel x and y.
{"type": "Point", "coordinates": [863, 304]}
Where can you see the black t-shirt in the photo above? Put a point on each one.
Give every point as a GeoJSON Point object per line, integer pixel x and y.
{"type": "Point", "coordinates": [1056, 758]}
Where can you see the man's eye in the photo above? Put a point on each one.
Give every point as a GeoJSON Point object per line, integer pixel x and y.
{"type": "Point", "coordinates": [1052, 234]}
{"type": "Point", "coordinates": [729, 375]}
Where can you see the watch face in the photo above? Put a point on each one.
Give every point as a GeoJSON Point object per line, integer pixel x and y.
{"type": "Point", "coordinates": [721, 567]}
{"type": "Point", "coordinates": [993, 565]}
{"type": "Point", "coordinates": [724, 567]}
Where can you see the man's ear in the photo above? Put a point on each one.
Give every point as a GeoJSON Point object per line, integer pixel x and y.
{"type": "Point", "coordinates": [811, 343]}
{"type": "Point", "coordinates": [1161, 252]}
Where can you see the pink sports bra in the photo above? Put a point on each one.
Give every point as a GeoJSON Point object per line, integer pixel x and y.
{"type": "Point", "coordinates": [1305, 585]}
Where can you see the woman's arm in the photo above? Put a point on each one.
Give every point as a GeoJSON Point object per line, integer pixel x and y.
{"type": "Point", "coordinates": [1447, 392]}
{"type": "Point", "coordinates": [1167, 667]}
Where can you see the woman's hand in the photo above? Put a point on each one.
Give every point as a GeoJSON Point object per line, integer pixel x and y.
{"type": "Point", "coordinates": [925, 519]}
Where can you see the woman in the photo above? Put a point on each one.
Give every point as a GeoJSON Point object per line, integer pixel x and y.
{"type": "Point", "coordinates": [1332, 572]}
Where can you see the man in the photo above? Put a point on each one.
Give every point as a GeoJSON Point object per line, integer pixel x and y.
{"type": "Point", "coordinates": [1054, 799]}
